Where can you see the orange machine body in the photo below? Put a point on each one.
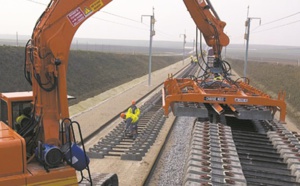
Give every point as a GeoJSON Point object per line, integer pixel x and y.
{"type": "Point", "coordinates": [208, 23]}
{"type": "Point", "coordinates": [12, 157]}
{"type": "Point", "coordinates": [47, 59]}
{"type": "Point", "coordinates": [45, 69]}
{"type": "Point", "coordinates": [15, 168]}
{"type": "Point", "coordinates": [223, 94]}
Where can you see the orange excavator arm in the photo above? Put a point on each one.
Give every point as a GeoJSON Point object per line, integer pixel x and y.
{"type": "Point", "coordinates": [209, 23]}
{"type": "Point", "coordinates": [47, 59]}
{"type": "Point", "coordinates": [47, 133]}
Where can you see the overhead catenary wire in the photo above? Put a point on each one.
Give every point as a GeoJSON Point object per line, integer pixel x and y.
{"type": "Point", "coordinates": [118, 23]}
{"type": "Point", "coordinates": [277, 26]}
{"type": "Point", "coordinates": [36, 2]}
{"type": "Point", "coordinates": [99, 11]}
{"type": "Point", "coordinates": [122, 17]}
{"type": "Point", "coordinates": [157, 31]}
{"type": "Point", "coordinates": [276, 20]}
{"type": "Point", "coordinates": [280, 19]}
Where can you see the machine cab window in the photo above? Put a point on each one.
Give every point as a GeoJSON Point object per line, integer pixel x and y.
{"type": "Point", "coordinates": [3, 112]}
{"type": "Point", "coordinates": [19, 108]}
{"type": "Point", "coordinates": [13, 105]}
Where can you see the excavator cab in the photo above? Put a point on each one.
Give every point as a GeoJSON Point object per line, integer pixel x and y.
{"type": "Point", "coordinates": [14, 159]}
{"type": "Point", "coordinates": [17, 168]}
{"type": "Point", "coordinates": [13, 105]}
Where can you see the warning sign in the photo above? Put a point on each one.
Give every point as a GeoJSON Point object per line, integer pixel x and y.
{"type": "Point", "coordinates": [76, 16]}
{"type": "Point", "coordinates": [96, 5]}
{"type": "Point", "coordinates": [87, 11]}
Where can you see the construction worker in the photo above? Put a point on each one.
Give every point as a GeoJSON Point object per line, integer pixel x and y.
{"type": "Point", "coordinates": [131, 121]}
{"type": "Point", "coordinates": [217, 77]}
{"type": "Point", "coordinates": [134, 109]}
{"type": "Point", "coordinates": [192, 60]}
{"type": "Point", "coordinates": [23, 119]}
{"type": "Point", "coordinates": [195, 59]}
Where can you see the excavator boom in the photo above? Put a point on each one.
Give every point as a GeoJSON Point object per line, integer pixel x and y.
{"type": "Point", "coordinates": [209, 23]}
{"type": "Point", "coordinates": [37, 149]}
{"type": "Point", "coordinates": [47, 58]}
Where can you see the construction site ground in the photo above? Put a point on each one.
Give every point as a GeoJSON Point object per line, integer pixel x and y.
{"type": "Point", "coordinates": [95, 111]}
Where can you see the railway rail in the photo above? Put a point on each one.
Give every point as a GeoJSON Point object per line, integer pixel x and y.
{"type": "Point", "coordinates": [242, 153]}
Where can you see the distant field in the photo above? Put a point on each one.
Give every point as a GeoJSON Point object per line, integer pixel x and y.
{"type": "Point", "coordinates": [264, 53]}
{"type": "Point", "coordinates": [112, 45]}
{"type": "Point", "coordinates": [110, 48]}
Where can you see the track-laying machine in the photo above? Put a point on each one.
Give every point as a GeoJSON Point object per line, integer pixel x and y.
{"type": "Point", "coordinates": [214, 94]}
{"type": "Point", "coordinates": [37, 138]}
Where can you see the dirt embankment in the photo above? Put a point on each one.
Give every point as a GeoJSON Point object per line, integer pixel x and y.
{"type": "Point", "coordinates": [89, 73]}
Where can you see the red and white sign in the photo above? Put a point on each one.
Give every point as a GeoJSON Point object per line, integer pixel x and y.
{"type": "Point", "coordinates": [76, 16]}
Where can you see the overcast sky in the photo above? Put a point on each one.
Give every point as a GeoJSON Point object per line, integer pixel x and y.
{"type": "Point", "coordinates": [121, 19]}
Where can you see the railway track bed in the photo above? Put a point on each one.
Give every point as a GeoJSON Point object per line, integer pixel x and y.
{"type": "Point", "coordinates": [235, 155]}
{"type": "Point", "coordinates": [247, 153]}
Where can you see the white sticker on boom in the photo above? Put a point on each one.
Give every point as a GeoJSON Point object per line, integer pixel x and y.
{"type": "Point", "coordinates": [241, 100]}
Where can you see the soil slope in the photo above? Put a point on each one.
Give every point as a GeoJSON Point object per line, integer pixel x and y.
{"type": "Point", "coordinates": [89, 73]}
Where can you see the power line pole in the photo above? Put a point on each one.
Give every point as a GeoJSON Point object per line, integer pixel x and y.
{"type": "Point", "coordinates": [184, 42]}
{"type": "Point", "coordinates": [17, 37]}
{"type": "Point", "coordinates": [152, 33]}
{"type": "Point", "coordinates": [246, 37]}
